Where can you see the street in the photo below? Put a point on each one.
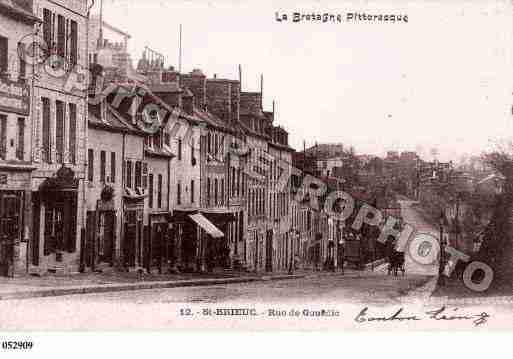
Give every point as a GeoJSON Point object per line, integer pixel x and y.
{"type": "Point", "coordinates": [158, 307]}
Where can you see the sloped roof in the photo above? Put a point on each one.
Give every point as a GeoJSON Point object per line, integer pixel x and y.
{"type": "Point", "coordinates": [13, 9]}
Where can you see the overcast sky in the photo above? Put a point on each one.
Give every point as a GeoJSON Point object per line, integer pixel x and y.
{"type": "Point", "coordinates": [443, 80]}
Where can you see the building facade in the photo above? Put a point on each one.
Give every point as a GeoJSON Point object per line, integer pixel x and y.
{"type": "Point", "coordinates": [59, 137]}
{"type": "Point", "coordinates": [17, 21]}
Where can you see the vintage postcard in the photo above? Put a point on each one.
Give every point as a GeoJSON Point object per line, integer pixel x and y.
{"type": "Point", "coordinates": [284, 165]}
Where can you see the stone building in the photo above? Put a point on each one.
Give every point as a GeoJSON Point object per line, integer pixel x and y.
{"type": "Point", "coordinates": [113, 144]}
{"type": "Point", "coordinates": [16, 22]}
{"type": "Point", "coordinates": [59, 136]}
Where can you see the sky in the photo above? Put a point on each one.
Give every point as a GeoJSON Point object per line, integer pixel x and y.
{"type": "Point", "coordinates": [442, 80]}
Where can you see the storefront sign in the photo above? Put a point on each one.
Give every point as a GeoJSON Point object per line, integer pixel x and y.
{"type": "Point", "coordinates": [14, 97]}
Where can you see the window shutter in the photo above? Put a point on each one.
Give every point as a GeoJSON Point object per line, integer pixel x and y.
{"type": "Point", "coordinates": [72, 132]}
{"type": "Point", "coordinates": [74, 43]}
{"type": "Point", "coordinates": [3, 54]}
{"type": "Point", "coordinates": [46, 130]}
{"type": "Point", "coordinates": [3, 136]}
{"type": "Point", "coordinates": [59, 127]}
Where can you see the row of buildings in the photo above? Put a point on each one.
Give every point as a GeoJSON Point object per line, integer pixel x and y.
{"type": "Point", "coordinates": [143, 168]}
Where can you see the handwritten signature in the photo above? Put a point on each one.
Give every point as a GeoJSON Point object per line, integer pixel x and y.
{"type": "Point", "coordinates": [440, 314]}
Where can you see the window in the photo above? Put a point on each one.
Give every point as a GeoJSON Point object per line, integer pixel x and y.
{"type": "Point", "coordinates": [20, 150]}
{"type": "Point", "coordinates": [208, 191]}
{"type": "Point", "coordinates": [22, 71]}
{"type": "Point", "coordinates": [129, 174]}
{"type": "Point", "coordinates": [222, 191]}
{"type": "Point", "coordinates": [193, 160]}
{"type": "Point", "coordinates": [138, 174]}
{"type": "Point", "coordinates": [209, 143]}
{"type": "Point", "coordinates": [46, 129]}
{"type": "Point", "coordinates": [150, 179]}
{"type": "Point", "coordinates": [61, 35]}
{"type": "Point", "coordinates": [48, 30]}
{"type": "Point", "coordinates": [102, 166]}
{"type": "Point", "coordinates": [4, 57]}
{"type": "Point", "coordinates": [238, 182]}
{"type": "Point", "coordinates": [179, 193]}
{"type": "Point", "coordinates": [90, 165]}
{"type": "Point", "coordinates": [3, 136]}
{"type": "Point", "coordinates": [157, 140]}
{"type": "Point", "coordinates": [167, 138]}
{"type": "Point", "coordinates": [73, 46]}
{"type": "Point", "coordinates": [72, 133]}
{"type": "Point", "coordinates": [233, 181]}
{"type": "Point", "coordinates": [59, 131]}
{"type": "Point", "coordinates": [159, 191]}
{"type": "Point", "coordinates": [145, 175]}
{"type": "Point", "coordinates": [216, 187]}
{"type": "Point", "coordinates": [192, 191]}
{"type": "Point", "coordinates": [179, 149]}
{"type": "Point", "coordinates": [113, 167]}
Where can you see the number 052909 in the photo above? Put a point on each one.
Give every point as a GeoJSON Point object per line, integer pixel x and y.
{"type": "Point", "coordinates": [17, 345]}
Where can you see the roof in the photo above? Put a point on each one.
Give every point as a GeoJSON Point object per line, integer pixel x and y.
{"type": "Point", "coordinates": [281, 146]}
{"type": "Point", "coordinates": [11, 8]}
{"type": "Point", "coordinates": [113, 122]}
{"type": "Point", "coordinates": [492, 177]}
{"type": "Point", "coordinates": [165, 87]}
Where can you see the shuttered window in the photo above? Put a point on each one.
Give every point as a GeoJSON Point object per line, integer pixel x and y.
{"type": "Point", "coordinates": [47, 30]}
{"type": "Point", "coordinates": [192, 191]}
{"type": "Point", "coordinates": [72, 133]}
{"type": "Point", "coordinates": [113, 167]}
{"type": "Point", "coordinates": [129, 174]}
{"type": "Point", "coordinates": [103, 160]}
{"type": "Point", "coordinates": [22, 72]}
{"type": "Point", "coordinates": [90, 165]}
{"type": "Point", "coordinates": [159, 192]}
{"type": "Point", "coordinates": [61, 36]}
{"type": "Point", "coordinates": [150, 189]}
{"type": "Point", "coordinates": [46, 129]}
{"type": "Point", "coordinates": [3, 54]}
{"type": "Point", "coordinates": [222, 191]}
{"type": "Point", "coordinates": [59, 131]}
{"type": "Point", "coordinates": [73, 46]}
{"type": "Point", "coordinates": [20, 149]}
{"type": "Point", "coordinates": [3, 136]}
{"type": "Point", "coordinates": [138, 174]}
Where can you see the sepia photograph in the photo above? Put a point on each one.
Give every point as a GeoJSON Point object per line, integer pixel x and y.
{"type": "Point", "coordinates": [255, 166]}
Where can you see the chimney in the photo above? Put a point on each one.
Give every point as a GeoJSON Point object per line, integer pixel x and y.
{"type": "Point", "coordinates": [219, 98]}
{"type": "Point", "coordinates": [188, 101]}
{"type": "Point", "coordinates": [196, 82]}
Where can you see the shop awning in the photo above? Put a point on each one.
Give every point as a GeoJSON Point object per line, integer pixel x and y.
{"type": "Point", "coordinates": [208, 226]}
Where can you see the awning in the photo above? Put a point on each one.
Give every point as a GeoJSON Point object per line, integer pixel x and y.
{"type": "Point", "coordinates": [206, 225]}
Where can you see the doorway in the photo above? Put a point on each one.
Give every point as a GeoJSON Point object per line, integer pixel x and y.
{"type": "Point", "coordinates": [10, 228]}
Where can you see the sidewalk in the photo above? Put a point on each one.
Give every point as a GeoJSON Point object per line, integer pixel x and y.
{"type": "Point", "coordinates": [454, 292]}
{"type": "Point", "coordinates": [53, 285]}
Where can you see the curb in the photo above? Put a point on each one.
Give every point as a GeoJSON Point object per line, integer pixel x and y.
{"type": "Point", "coordinates": [105, 288]}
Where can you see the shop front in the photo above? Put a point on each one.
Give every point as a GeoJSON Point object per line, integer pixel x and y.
{"type": "Point", "coordinates": [54, 244]}
{"type": "Point", "coordinates": [199, 242]}
{"type": "Point", "coordinates": [132, 246]}
{"type": "Point", "coordinates": [101, 233]}
{"type": "Point", "coordinates": [15, 177]}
